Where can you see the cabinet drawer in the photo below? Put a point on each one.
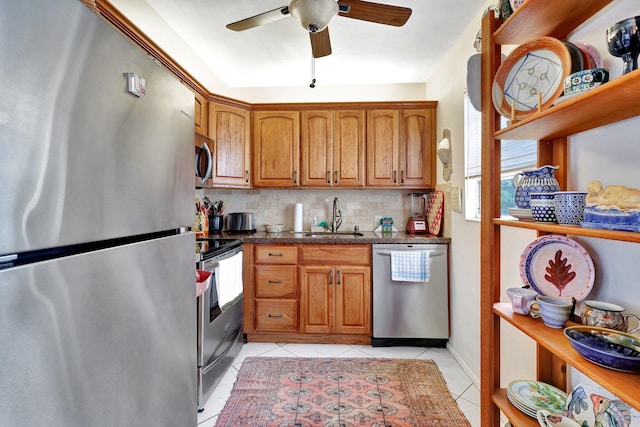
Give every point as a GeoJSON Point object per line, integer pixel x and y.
{"type": "Point", "coordinates": [277, 315]}
{"type": "Point", "coordinates": [336, 254]}
{"type": "Point", "coordinates": [276, 254]}
{"type": "Point", "coordinates": [275, 281]}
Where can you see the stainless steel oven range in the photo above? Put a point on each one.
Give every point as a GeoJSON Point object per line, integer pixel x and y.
{"type": "Point", "coordinates": [219, 312]}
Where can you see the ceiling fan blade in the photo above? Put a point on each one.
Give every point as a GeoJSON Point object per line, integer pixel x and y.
{"type": "Point", "coordinates": [375, 12]}
{"type": "Point", "coordinates": [261, 19]}
{"type": "Point", "coordinates": [320, 43]}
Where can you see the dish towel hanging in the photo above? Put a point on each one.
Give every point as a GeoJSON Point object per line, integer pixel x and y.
{"type": "Point", "coordinates": [414, 266]}
{"type": "Point", "coordinates": [228, 279]}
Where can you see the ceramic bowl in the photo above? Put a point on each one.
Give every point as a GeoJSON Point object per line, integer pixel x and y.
{"type": "Point", "coordinates": [569, 206]}
{"type": "Point", "coordinates": [585, 80]}
{"type": "Point", "coordinates": [605, 347]}
{"type": "Point", "coordinates": [274, 228]}
{"type": "Point", "coordinates": [542, 207]}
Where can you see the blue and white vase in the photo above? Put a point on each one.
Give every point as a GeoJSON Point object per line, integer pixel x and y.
{"type": "Point", "coordinates": [540, 180]}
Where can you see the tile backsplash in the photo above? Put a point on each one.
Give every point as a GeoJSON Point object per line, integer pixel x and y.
{"type": "Point", "coordinates": [359, 207]}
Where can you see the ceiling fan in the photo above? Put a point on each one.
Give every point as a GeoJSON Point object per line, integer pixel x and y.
{"type": "Point", "coordinates": [315, 15]}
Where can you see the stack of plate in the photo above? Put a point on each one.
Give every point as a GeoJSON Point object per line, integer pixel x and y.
{"type": "Point", "coordinates": [530, 396]}
{"type": "Point", "coordinates": [521, 214]}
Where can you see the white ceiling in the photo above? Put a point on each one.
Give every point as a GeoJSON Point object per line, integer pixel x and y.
{"type": "Point", "coordinates": [279, 53]}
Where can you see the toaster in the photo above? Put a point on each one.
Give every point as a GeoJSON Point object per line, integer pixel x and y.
{"type": "Point", "coordinates": [241, 221]}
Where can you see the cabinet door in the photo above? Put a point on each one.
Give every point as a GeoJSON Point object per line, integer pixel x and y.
{"type": "Point", "coordinates": [230, 128]}
{"type": "Point", "coordinates": [353, 300]}
{"type": "Point", "coordinates": [417, 148]}
{"type": "Point", "coordinates": [349, 148]}
{"type": "Point", "coordinates": [200, 115]}
{"type": "Point", "coordinates": [317, 148]}
{"type": "Point", "coordinates": [382, 148]}
{"type": "Point", "coordinates": [276, 137]}
{"type": "Point", "coordinates": [317, 299]}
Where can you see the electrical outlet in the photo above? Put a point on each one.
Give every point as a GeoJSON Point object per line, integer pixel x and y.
{"type": "Point", "coordinates": [376, 220]}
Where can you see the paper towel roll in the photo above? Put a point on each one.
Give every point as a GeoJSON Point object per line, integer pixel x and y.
{"type": "Point", "coordinates": [297, 218]}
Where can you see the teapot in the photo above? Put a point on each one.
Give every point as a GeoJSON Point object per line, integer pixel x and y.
{"type": "Point", "coordinates": [607, 315]}
{"type": "Point", "coordinates": [540, 180]}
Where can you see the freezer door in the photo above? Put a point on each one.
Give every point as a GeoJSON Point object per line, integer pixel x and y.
{"type": "Point", "coordinates": [106, 338]}
{"type": "Point", "coordinates": [82, 158]}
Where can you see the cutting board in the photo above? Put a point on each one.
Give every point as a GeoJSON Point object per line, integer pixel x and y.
{"type": "Point", "coordinates": [435, 208]}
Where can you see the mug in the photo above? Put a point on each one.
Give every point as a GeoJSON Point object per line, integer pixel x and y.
{"type": "Point", "coordinates": [554, 311]}
{"type": "Point", "coordinates": [547, 419]}
{"type": "Point", "coordinates": [519, 298]}
{"type": "Point", "coordinates": [584, 80]}
{"type": "Point", "coordinates": [607, 315]}
{"type": "Point", "coordinates": [569, 206]}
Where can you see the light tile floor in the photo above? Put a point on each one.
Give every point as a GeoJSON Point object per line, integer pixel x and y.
{"type": "Point", "coordinates": [462, 388]}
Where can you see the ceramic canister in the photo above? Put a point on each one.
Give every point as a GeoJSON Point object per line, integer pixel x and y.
{"type": "Point", "coordinates": [542, 207]}
{"type": "Point", "coordinates": [569, 206]}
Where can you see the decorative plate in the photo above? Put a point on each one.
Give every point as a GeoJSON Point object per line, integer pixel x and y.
{"type": "Point", "coordinates": [521, 214]}
{"type": "Point", "coordinates": [592, 51]}
{"type": "Point", "coordinates": [538, 395]}
{"type": "Point", "coordinates": [558, 266]}
{"type": "Point", "coordinates": [435, 208]}
{"type": "Point", "coordinates": [590, 405]}
{"type": "Point", "coordinates": [538, 66]}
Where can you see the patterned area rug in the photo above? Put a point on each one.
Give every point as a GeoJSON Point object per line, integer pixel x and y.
{"type": "Point", "coordinates": [330, 392]}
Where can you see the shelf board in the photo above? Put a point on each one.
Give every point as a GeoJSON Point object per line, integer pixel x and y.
{"type": "Point", "coordinates": [515, 416]}
{"type": "Point", "coordinates": [546, 18]}
{"type": "Point", "coordinates": [625, 386]}
{"type": "Point", "coordinates": [619, 98]}
{"type": "Point", "coordinates": [625, 236]}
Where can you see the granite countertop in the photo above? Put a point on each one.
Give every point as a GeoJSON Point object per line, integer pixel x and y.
{"type": "Point", "coordinates": [369, 237]}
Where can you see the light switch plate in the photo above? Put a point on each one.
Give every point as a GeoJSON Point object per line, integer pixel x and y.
{"type": "Point", "coordinates": [456, 199]}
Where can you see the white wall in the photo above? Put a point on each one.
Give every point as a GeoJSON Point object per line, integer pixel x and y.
{"type": "Point", "coordinates": [609, 154]}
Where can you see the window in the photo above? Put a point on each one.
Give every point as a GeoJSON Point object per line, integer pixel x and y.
{"type": "Point", "coordinates": [515, 156]}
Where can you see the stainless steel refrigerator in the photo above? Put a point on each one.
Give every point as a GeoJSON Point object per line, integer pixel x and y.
{"type": "Point", "coordinates": [97, 281]}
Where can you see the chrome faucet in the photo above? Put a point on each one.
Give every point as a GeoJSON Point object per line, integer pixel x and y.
{"type": "Point", "coordinates": [337, 215]}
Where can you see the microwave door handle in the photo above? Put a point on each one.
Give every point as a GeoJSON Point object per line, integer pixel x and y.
{"type": "Point", "coordinates": [209, 162]}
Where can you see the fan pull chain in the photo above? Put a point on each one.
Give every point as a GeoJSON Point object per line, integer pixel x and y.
{"type": "Point", "coordinates": [313, 73]}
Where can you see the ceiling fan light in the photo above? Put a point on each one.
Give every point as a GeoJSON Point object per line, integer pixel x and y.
{"type": "Point", "coordinates": [314, 15]}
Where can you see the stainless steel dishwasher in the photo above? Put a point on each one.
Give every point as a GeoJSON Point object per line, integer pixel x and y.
{"type": "Point", "coordinates": [410, 313]}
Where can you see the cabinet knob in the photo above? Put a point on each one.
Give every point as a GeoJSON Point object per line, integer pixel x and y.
{"type": "Point", "coordinates": [339, 278]}
{"type": "Point", "coordinates": [272, 254]}
{"type": "Point", "coordinates": [395, 177]}
{"type": "Point", "coordinates": [335, 180]}
{"type": "Point", "coordinates": [276, 282]}
{"type": "Point", "coordinates": [276, 316]}
{"type": "Point", "coordinates": [328, 177]}
{"type": "Point", "coordinates": [295, 177]}
{"type": "Point", "coordinates": [331, 277]}
{"type": "Point", "coordinates": [402, 177]}
{"type": "Point", "coordinates": [246, 175]}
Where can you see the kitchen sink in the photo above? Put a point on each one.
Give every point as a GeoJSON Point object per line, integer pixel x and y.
{"type": "Point", "coordinates": [335, 234]}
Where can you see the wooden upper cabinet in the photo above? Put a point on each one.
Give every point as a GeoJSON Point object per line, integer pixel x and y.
{"type": "Point", "coordinates": [200, 115]}
{"type": "Point", "coordinates": [401, 148]}
{"type": "Point", "coordinates": [382, 148]}
{"type": "Point", "coordinates": [349, 143]}
{"type": "Point", "coordinates": [230, 129]}
{"type": "Point", "coordinates": [333, 148]}
{"type": "Point", "coordinates": [275, 148]}
{"type": "Point", "coordinates": [417, 148]}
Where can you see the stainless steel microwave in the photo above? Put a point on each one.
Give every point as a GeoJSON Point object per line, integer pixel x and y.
{"type": "Point", "coordinates": [203, 162]}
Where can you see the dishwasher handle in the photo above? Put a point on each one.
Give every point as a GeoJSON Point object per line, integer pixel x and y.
{"type": "Point", "coordinates": [431, 253]}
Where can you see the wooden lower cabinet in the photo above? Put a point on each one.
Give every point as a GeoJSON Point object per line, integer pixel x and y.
{"type": "Point", "coordinates": [335, 300]}
{"type": "Point", "coordinates": [307, 293]}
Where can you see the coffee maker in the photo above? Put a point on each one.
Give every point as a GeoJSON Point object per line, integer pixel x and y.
{"type": "Point", "coordinates": [417, 223]}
